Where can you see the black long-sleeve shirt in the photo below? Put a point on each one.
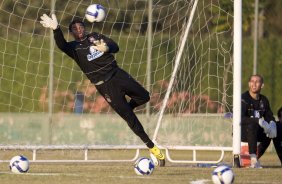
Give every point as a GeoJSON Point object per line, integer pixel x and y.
{"type": "Point", "coordinates": [252, 108]}
{"type": "Point", "coordinates": [95, 65]}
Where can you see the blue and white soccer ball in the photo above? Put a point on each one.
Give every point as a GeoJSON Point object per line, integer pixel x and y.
{"type": "Point", "coordinates": [19, 164]}
{"type": "Point", "coordinates": [95, 13]}
{"type": "Point", "coordinates": [223, 175]}
{"type": "Point", "coordinates": [144, 166]}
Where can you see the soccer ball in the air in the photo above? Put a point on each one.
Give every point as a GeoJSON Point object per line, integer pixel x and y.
{"type": "Point", "coordinates": [223, 175]}
{"type": "Point", "coordinates": [95, 13]}
{"type": "Point", "coordinates": [19, 164]}
{"type": "Point", "coordinates": [144, 166]}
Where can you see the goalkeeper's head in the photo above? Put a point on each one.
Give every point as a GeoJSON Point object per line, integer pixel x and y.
{"type": "Point", "coordinates": [75, 21]}
{"type": "Point", "coordinates": [77, 28]}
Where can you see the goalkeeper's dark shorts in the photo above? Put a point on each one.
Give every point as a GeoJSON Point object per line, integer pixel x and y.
{"type": "Point", "coordinates": [252, 133]}
{"type": "Point", "coordinates": [115, 91]}
{"type": "Point", "coordinates": [252, 129]}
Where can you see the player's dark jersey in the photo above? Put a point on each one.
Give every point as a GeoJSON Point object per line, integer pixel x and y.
{"type": "Point", "coordinates": [96, 65]}
{"type": "Point", "coordinates": [252, 108]}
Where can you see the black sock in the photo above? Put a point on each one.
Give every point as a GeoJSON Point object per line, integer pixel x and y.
{"type": "Point", "coordinates": [150, 144]}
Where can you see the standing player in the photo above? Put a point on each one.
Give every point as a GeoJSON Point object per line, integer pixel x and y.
{"type": "Point", "coordinates": [258, 123]}
{"type": "Point", "coordinates": [93, 54]}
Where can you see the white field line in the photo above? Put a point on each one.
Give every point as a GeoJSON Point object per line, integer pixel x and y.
{"type": "Point", "coordinates": [42, 174]}
{"type": "Point", "coordinates": [202, 181]}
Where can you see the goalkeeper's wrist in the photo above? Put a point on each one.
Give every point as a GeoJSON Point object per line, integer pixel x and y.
{"type": "Point", "coordinates": [58, 26]}
{"type": "Point", "coordinates": [55, 27]}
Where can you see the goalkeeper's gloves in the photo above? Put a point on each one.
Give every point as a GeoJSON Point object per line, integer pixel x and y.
{"type": "Point", "coordinates": [49, 22]}
{"type": "Point", "coordinates": [272, 131]}
{"type": "Point", "coordinates": [100, 45]}
{"type": "Point", "coordinates": [266, 127]}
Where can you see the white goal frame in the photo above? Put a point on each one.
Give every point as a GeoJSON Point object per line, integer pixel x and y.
{"type": "Point", "coordinates": [237, 56]}
{"type": "Point", "coordinates": [86, 148]}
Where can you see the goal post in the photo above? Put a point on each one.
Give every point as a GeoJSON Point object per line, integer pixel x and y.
{"type": "Point", "coordinates": [237, 78]}
{"type": "Point", "coordinates": [181, 51]}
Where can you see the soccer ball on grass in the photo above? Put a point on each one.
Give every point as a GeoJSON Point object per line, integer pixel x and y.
{"type": "Point", "coordinates": [19, 164]}
{"type": "Point", "coordinates": [223, 175]}
{"type": "Point", "coordinates": [95, 13]}
{"type": "Point", "coordinates": [144, 166]}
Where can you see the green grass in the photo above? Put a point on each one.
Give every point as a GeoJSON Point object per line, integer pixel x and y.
{"type": "Point", "coordinates": [123, 173]}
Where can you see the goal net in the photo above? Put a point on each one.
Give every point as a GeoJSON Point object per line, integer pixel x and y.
{"type": "Point", "coordinates": [178, 50]}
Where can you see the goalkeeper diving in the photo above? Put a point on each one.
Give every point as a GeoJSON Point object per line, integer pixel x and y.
{"type": "Point", "coordinates": [93, 53]}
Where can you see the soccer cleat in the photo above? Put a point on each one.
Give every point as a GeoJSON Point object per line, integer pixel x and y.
{"type": "Point", "coordinates": [255, 162]}
{"type": "Point", "coordinates": [156, 152]}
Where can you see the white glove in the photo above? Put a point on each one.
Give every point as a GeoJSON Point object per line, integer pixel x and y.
{"type": "Point", "coordinates": [49, 22]}
{"type": "Point", "coordinates": [273, 131]}
{"type": "Point", "coordinates": [265, 126]}
{"type": "Point", "coordinates": [100, 45]}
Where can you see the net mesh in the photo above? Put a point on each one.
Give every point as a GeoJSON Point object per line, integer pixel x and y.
{"type": "Point", "coordinates": [203, 85]}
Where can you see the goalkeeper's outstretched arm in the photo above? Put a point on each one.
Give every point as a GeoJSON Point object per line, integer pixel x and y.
{"type": "Point", "coordinates": [52, 23]}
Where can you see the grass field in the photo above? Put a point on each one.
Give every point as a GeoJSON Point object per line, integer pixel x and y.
{"type": "Point", "coordinates": [123, 173]}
